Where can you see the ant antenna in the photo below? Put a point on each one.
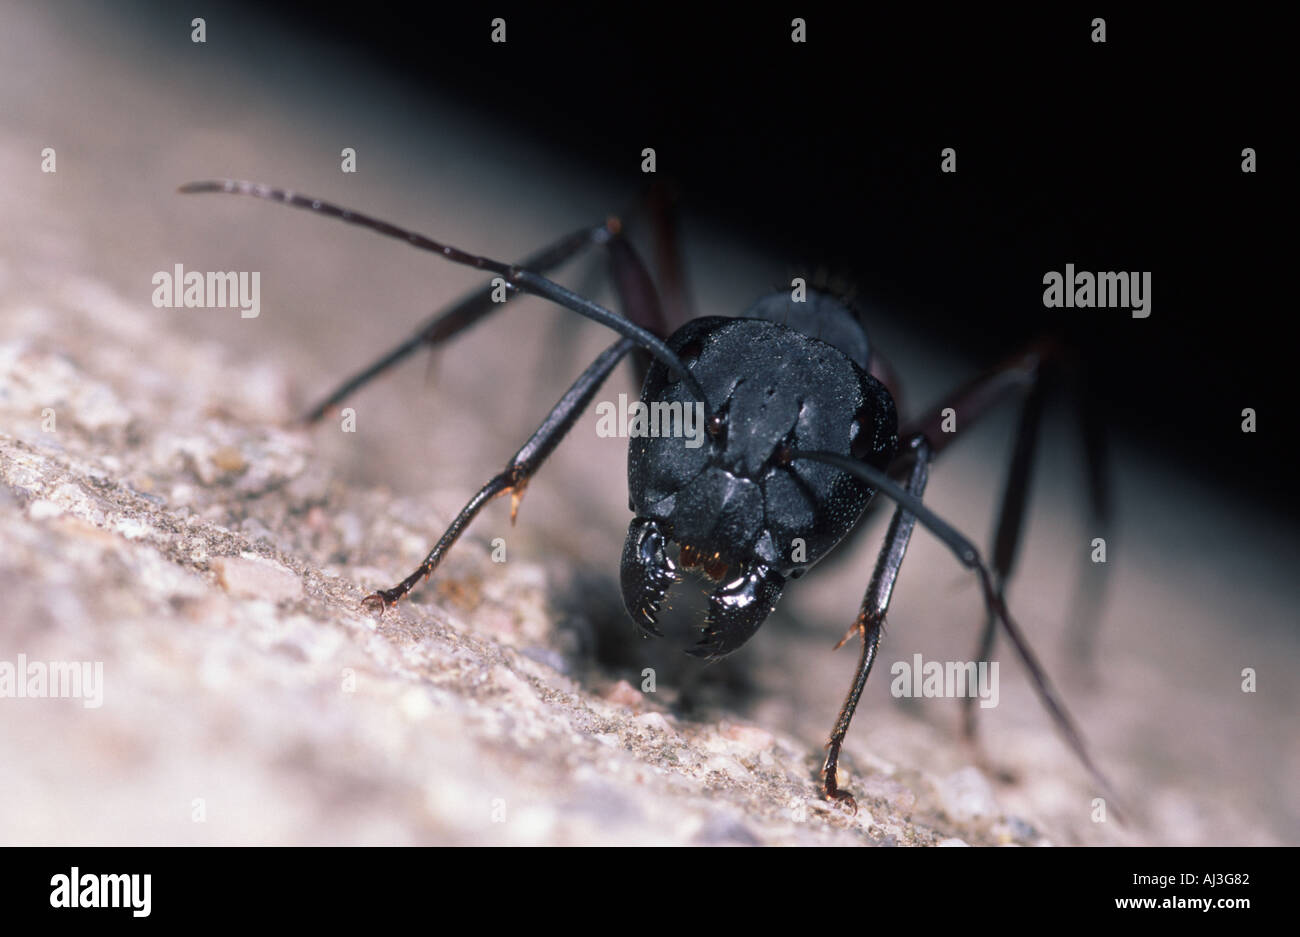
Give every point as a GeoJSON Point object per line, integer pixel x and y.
{"type": "Point", "coordinates": [516, 278]}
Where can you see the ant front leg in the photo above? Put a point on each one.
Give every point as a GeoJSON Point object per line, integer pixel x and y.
{"type": "Point", "coordinates": [641, 306]}
{"type": "Point", "coordinates": [871, 616]}
{"type": "Point", "coordinates": [514, 479]}
{"type": "Point", "coordinates": [877, 599]}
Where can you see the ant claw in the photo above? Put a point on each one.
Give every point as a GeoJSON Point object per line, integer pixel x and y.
{"type": "Point", "coordinates": [375, 603]}
{"type": "Point", "coordinates": [841, 798]}
{"type": "Point", "coordinates": [832, 792]}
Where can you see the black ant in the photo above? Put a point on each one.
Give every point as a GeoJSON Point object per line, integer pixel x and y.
{"type": "Point", "coordinates": [802, 432]}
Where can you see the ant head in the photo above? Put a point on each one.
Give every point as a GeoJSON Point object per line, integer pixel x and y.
{"type": "Point", "coordinates": [731, 497]}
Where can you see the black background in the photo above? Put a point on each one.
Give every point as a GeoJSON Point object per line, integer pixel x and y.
{"type": "Point", "coordinates": [1117, 156]}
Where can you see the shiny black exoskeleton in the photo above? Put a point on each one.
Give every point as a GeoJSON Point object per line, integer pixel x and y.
{"type": "Point", "coordinates": [740, 510]}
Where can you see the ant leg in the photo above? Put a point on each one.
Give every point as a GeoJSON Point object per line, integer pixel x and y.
{"type": "Point", "coordinates": [969, 557]}
{"type": "Point", "coordinates": [871, 616]}
{"type": "Point", "coordinates": [1085, 623]}
{"type": "Point", "coordinates": [1022, 373]}
{"type": "Point", "coordinates": [637, 294]}
{"type": "Point", "coordinates": [1011, 517]}
{"type": "Point", "coordinates": [678, 305]}
{"type": "Point", "coordinates": [517, 473]}
{"type": "Point", "coordinates": [1017, 374]}
{"type": "Point", "coordinates": [461, 315]}
{"type": "Point", "coordinates": [1031, 373]}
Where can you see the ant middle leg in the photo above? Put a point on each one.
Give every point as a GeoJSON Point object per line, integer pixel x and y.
{"type": "Point", "coordinates": [871, 615]}
{"type": "Point", "coordinates": [1031, 373]}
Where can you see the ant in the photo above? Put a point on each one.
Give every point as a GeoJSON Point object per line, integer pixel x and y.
{"type": "Point", "coordinates": [802, 433]}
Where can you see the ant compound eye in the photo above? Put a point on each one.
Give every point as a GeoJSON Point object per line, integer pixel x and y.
{"type": "Point", "coordinates": [862, 442]}
{"type": "Point", "coordinates": [717, 426]}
